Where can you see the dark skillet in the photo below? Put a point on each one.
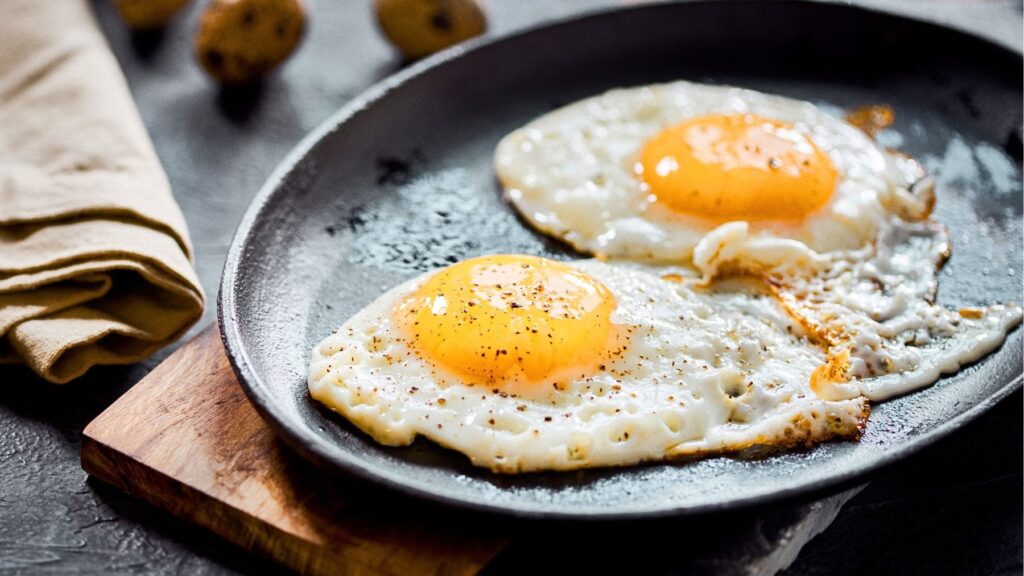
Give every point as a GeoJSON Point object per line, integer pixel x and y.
{"type": "Point", "coordinates": [400, 181]}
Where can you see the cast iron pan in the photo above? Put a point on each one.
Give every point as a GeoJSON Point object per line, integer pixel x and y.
{"type": "Point", "coordinates": [400, 182]}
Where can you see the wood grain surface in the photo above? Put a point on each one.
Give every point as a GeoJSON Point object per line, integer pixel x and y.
{"type": "Point", "coordinates": [186, 439]}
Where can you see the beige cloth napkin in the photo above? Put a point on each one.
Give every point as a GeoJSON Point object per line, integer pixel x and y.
{"type": "Point", "coordinates": [95, 260]}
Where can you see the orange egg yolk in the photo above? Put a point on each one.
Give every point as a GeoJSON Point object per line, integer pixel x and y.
{"type": "Point", "coordinates": [737, 167]}
{"type": "Point", "coordinates": [500, 318]}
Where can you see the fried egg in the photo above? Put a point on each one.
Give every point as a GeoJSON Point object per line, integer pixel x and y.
{"type": "Point", "coordinates": [645, 173]}
{"type": "Point", "coordinates": [523, 363]}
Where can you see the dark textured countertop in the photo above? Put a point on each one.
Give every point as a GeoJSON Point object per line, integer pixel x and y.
{"type": "Point", "coordinates": [955, 507]}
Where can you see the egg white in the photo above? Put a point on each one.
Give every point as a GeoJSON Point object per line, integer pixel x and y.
{"type": "Point", "coordinates": [877, 305]}
{"type": "Point", "coordinates": [704, 373]}
{"type": "Point", "coordinates": [570, 173]}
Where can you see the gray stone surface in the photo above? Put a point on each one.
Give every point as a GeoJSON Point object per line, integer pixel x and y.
{"type": "Point", "coordinates": [956, 507]}
{"type": "Point", "coordinates": [750, 543]}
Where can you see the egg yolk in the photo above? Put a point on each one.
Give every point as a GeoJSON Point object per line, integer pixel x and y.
{"type": "Point", "coordinates": [499, 318]}
{"type": "Point", "coordinates": [737, 167]}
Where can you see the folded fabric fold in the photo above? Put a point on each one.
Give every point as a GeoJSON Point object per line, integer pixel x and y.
{"type": "Point", "coordinates": [95, 259]}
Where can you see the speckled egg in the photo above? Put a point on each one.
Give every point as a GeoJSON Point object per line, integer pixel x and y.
{"type": "Point", "coordinates": [422, 27]}
{"type": "Point", "coordinates": [239, 41]}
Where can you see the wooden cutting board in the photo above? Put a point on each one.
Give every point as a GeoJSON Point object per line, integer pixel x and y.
{"type": "Point", "coordinates": [186, 439]}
